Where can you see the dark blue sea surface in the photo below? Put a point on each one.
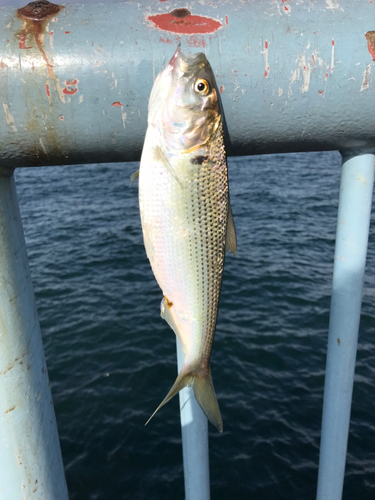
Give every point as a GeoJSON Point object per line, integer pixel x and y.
{"type": "Point", "coordinates": [111, 358]}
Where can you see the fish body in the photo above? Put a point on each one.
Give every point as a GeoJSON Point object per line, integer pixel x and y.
{"type": "Point", "coordinates": [185, 213]}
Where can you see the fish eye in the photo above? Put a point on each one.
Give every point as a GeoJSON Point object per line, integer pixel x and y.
{"type": "Point", "coordinates": [202, 87]}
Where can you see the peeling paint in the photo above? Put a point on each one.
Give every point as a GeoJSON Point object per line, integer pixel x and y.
{"type": "Point", "coordinates": [333, 55]}
{"type": "Point", "coordinates": [123, 114]}
{"type": "Point", "coordinates": [370, 37]}
{"type": "Point", "coordinates": [42, 145]}
{"type": "Point", "coordinates": [365, 79]}
{"type": "Point", "coordinates": [332, 4]}
{"type": "Point", "coordinates": [265, 55]}
{"type": "Point", "coordinates": [70, 87]}
{"type": "Point", "coordinates": [9, 118]}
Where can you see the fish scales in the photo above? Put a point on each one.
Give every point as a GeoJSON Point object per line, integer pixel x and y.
{"type": "Point", "coordinates": [185, 214]}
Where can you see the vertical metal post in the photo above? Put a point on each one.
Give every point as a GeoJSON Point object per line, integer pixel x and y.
{"type": "Point", "coordinates": [30, 457]}
{"type": "Point", "coordinates": [355, 199]}
{"type": "Point", "coordinates": [194, 429]}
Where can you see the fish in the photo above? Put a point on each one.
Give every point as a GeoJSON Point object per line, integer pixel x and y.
{"type": "Point", "coordinates": [186, 216]}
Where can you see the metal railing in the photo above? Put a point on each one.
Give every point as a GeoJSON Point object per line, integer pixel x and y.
{"type": "Point", "coordinates": [74, 82]}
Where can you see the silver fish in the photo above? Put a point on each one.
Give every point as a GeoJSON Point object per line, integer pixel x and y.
{"type": "Point", "coordinates": [186, 217]}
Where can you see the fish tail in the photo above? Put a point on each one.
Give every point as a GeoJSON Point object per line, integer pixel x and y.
{"type": "Point", "coordinates": [204, 394]}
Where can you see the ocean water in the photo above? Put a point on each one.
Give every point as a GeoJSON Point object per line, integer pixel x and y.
{"type": "Point", "coordinates": [111, 358]}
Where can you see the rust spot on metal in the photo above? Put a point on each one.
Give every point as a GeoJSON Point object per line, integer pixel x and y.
{"type": "Point", "coordinates": [370, 37]}
{"type": "Point", "coordinates": [180, 13]}
{"type": "Point", "coordinates": [34, 16]}
{"type": "Point", "coordinates": [10, 409]}
{"type": "Point", "coordinates": [39, 11]}
{"type": "Point", "coordinates": [182, 21]}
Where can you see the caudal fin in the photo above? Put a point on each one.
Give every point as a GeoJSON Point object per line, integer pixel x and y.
{"type": "Point", "coordinates": [204, 394]}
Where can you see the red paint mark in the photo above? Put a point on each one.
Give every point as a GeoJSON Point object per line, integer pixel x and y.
{"type": "Point", "coordinates": [61, 118]}
{"type": "Point", "coordinates": [163, 0]}
{"type": "Point", "coordinates": [196, 41]}
{"type": "Point", "coordinates": [370, 37]}
{"type": "Point", "coordinates": [284, 1]}
{"type": "Point", "coordinates": [48, 91]}
{"type": "Point", "coordinates": [221, 89]}
{"type": "Point", "coordinates": [22, 42]}
{"type": "Point", "coordinates": [266, 44]}
{"type": "Point", "coordinates": [313, 58]}
{"type": "Point", "coordinates": [286, 8]}
{"type": "Point", "coordinates": [69, 91]}
{"type": "Point", "coordinates": [245, 75]}
{"type": "Point", "coordinates": [320, 92]}
{"type": "Point", "coordinates": [51, 33]}
{"type": "Point", "coordinates": [266, 75]}
{"type": "Point", "coordinates": [226, 21]}
{"type": "Point", "coordinates": [117, 103]}
{"type": "Point", "coordinates": [186, 25]}
{"type": "Point", "coordinates": [315, 32]}
{"type": "Point", "coordinates": [8, 41]}
{"type": "Point", "coordinates": [67, 32]}
{"type": "Point", "coordinates": [333, 42]}
{"type": "Point", "coordinates": [54, 20]}
{"type": "Point", "coordinates": [70, 87]}
{"type": "Point", "coordinates": [165, 40]}
{"type": "Point", "coordinates": [326, 75]}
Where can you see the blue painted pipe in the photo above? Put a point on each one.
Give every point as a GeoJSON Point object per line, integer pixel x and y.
{"type": "Point", "coordinates": [353, 222]}
{"type": "Point", "coordinates": [75, 84]}
{"type": "Point", "coordinates": [194, 431]}
{"type": "Point", "coordinates": [30, 457]}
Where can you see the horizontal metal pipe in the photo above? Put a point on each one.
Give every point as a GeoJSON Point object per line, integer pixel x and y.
{"type": "Point", "coordinates": [293, 76]}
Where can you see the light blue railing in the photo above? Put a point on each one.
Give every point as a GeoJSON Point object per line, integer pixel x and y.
{"type": "Point", "coordinates": [74, 83]}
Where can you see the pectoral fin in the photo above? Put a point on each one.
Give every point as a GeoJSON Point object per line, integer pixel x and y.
{"type": "Point", "coordinates": [134, 177]}
{"type": "Point", "coordinates": [231, 241]}
{"type": "Point", "coordinates": [165, 313]}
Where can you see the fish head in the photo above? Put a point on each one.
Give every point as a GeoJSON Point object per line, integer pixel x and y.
{"type": "Point", "coordinates": [185, 105]}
